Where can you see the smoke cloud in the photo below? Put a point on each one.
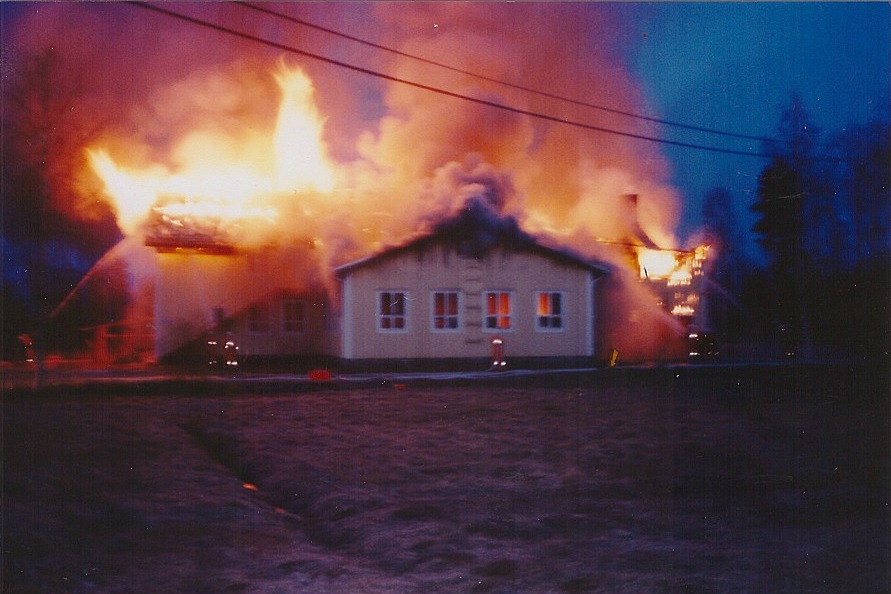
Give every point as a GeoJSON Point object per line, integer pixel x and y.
{"type": "Point", "coordinates": [165, 91]}
{"type": "Point", "coordinates": [164, 95]}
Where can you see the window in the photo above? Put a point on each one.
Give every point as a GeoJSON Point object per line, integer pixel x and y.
{"type": "Point", "coordinates": [258, 319]}
{"type": "Point", "coordinates": [549, 311]}
{"type": "Point", "coordinates": [219, 316]}
{"type": "Point", "coordinates": [445, 311]}
{"type": "Point", "coordinates": [293, 316]}
{"type": "Point", "coordinates": [391, 311]}
{"type": "Point", "coordinates": [498, 310]}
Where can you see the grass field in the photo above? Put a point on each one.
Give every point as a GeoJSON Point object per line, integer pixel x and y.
{"type": "Point", "coordinates": [736, 480]}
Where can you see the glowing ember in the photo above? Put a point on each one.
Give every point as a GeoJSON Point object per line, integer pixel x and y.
{"type": "Point", "coordinates": [211, 209]}
{"type": "Point", "coordinates": [682, 310]}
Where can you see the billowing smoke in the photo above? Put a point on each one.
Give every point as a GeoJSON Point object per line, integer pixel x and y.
{"type": "Point", "coordinates": [565, 178]}
{"type": "Point", "coordinates": [164, 91]}
{"type": "Point", "coordinates": [170, 100]}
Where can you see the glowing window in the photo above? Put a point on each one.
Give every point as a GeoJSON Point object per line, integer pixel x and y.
{"type": "Point", "coordinates": [391, 312]}
{"type": "Point", "coordinates": [293, 316]}
{"type": "Point", "coordinates": [498, 310]}
{"type": "Point", "coordinates": [549, 311]}
{"type": "Point", "coordinates": [258, 319]}
{"type": "Point", "coordinates": [445, 311]}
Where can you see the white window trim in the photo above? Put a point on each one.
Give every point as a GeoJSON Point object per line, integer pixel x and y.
{"type": "Point", "coordinates": [284, 319]}
{"type": "Point", "coordinates": [512, 315]}
{"type": "Point", "coordinates": [460, 327]}
{"type": "Point", "coordinates": [535, 316]}
{"type": "Point", "coordinates": [378, 315]}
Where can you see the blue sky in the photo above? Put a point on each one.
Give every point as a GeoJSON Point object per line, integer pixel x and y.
{"type": "Point", "coordinates": [734, 66]}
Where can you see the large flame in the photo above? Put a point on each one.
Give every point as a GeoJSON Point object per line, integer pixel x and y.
{"type": "Point", "coordinates": [219, 183]}
{"type": "Point", "coordinates": [210, 145]}
{"type": "Point", "coordinates": [656, 264]}
{"type": "Point", "coordinates": [299, 149]}
{"type": "Point", "coordinates": [676, 279]}
{"type": "Point", "coordinates": [217, 176]}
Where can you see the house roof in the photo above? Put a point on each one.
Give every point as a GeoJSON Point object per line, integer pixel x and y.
{"type": "Point", "coordinates": [206, 235]}
{"type": "Point", "coordinates": [473, 233]}
{"type": "Point", "coordinates": [198, 244]}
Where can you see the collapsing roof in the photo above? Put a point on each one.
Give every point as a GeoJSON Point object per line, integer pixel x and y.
{"type": "Point", "coordinates": [205, 235]}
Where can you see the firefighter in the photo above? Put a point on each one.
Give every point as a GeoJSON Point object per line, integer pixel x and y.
{"type": "Point", "coordinates": [498, 362]}
{"type": "Point", "coordinates": [230, 353]}
{"type": "Point", "coordinates": [28, 344]}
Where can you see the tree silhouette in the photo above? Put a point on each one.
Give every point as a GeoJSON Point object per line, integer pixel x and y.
{"type": "Point", "coordinates": [725, 271]}
{"type": "Point", "coordinates": [787, 193]}
{"type": "Point", "coordinates": [52, 231]}
{"type": "Point", "coordinates": [863, 181]}
{"type": "Point", "coordinates": [860, 284]}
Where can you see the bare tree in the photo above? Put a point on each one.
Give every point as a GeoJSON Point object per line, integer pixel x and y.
{"type": "Point", "coordinates": [44, 228]}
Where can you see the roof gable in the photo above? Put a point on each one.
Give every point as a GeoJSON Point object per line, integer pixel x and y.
{"type": "Point", "coordinates": [473, 233]}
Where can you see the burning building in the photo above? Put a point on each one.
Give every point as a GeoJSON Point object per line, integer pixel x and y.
{"type": "Point", "coordinates": [397, 255]}
{"type": "Point", "coordinates": [473, 288]}
{"type": "Point", "coordinates": [207, 286]}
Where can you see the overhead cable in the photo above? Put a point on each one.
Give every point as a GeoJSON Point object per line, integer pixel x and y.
{"type": "Point", "coordinates": [541, 116]}
{"type": "Point", "coordinates": [263, 9]}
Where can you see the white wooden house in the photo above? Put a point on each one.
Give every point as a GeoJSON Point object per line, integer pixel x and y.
{"type": "Point", "coordinates": [461, 293]}
{"type": "Point", "coordinates": [474, 289]}
{"type": "Point", "coordinates": [271, 301]}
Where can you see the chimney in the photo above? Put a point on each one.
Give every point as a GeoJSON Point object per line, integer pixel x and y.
{"type": "Point", "coordinates": [637, 232]}
{"type": "Point", "coordinates": [631, 203]}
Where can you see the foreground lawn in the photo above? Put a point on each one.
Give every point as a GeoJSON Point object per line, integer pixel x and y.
{"type": "Point", "coordinates": [664, 481]}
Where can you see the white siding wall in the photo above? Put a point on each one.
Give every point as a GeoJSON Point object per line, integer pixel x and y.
{"type": "Point", "coordinates": [190, 286]}
{"type": "Point", "coordinates": [420, 273]}
{"type": "Point", "coordinates": [275, 341]}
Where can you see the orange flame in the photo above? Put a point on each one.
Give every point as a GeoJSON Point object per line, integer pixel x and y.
{"type": "Point", "coordinates": [675, 277]}
{"type": "Point", "coordinates": [221, 178]}
{"type": "Point", "coordinates": [656, 264]}
{"type": "Point", "coordinates": [299, 149]}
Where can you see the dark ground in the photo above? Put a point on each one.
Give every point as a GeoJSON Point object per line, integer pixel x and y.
{"type": "Point", "coordinates": [771, 480]}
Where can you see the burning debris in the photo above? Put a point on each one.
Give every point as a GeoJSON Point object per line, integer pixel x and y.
{"type": "Point", "coordinates": [166, 230]}
{"type": "Point", "coordinates": [676, 278]}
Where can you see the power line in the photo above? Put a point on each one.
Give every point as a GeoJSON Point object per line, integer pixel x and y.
{"type": "Point", "coordinates": [381, 75]}
{"type": "Point", "coordinates": [385, 48]}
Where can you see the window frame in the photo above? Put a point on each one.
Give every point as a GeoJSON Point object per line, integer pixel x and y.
{"type": "Point", "coordinates": [256, 324]}
{"type": "Point", "coordinates": [459, 319]}
{"type": "Point", "coordinates": [301, 304]}
{"type": "Point", "coordinates": [380, 316]}
{"type": "Point", "coordinates": [511, 301]}
{"type": "Point", "coordinates": [537, 317]}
